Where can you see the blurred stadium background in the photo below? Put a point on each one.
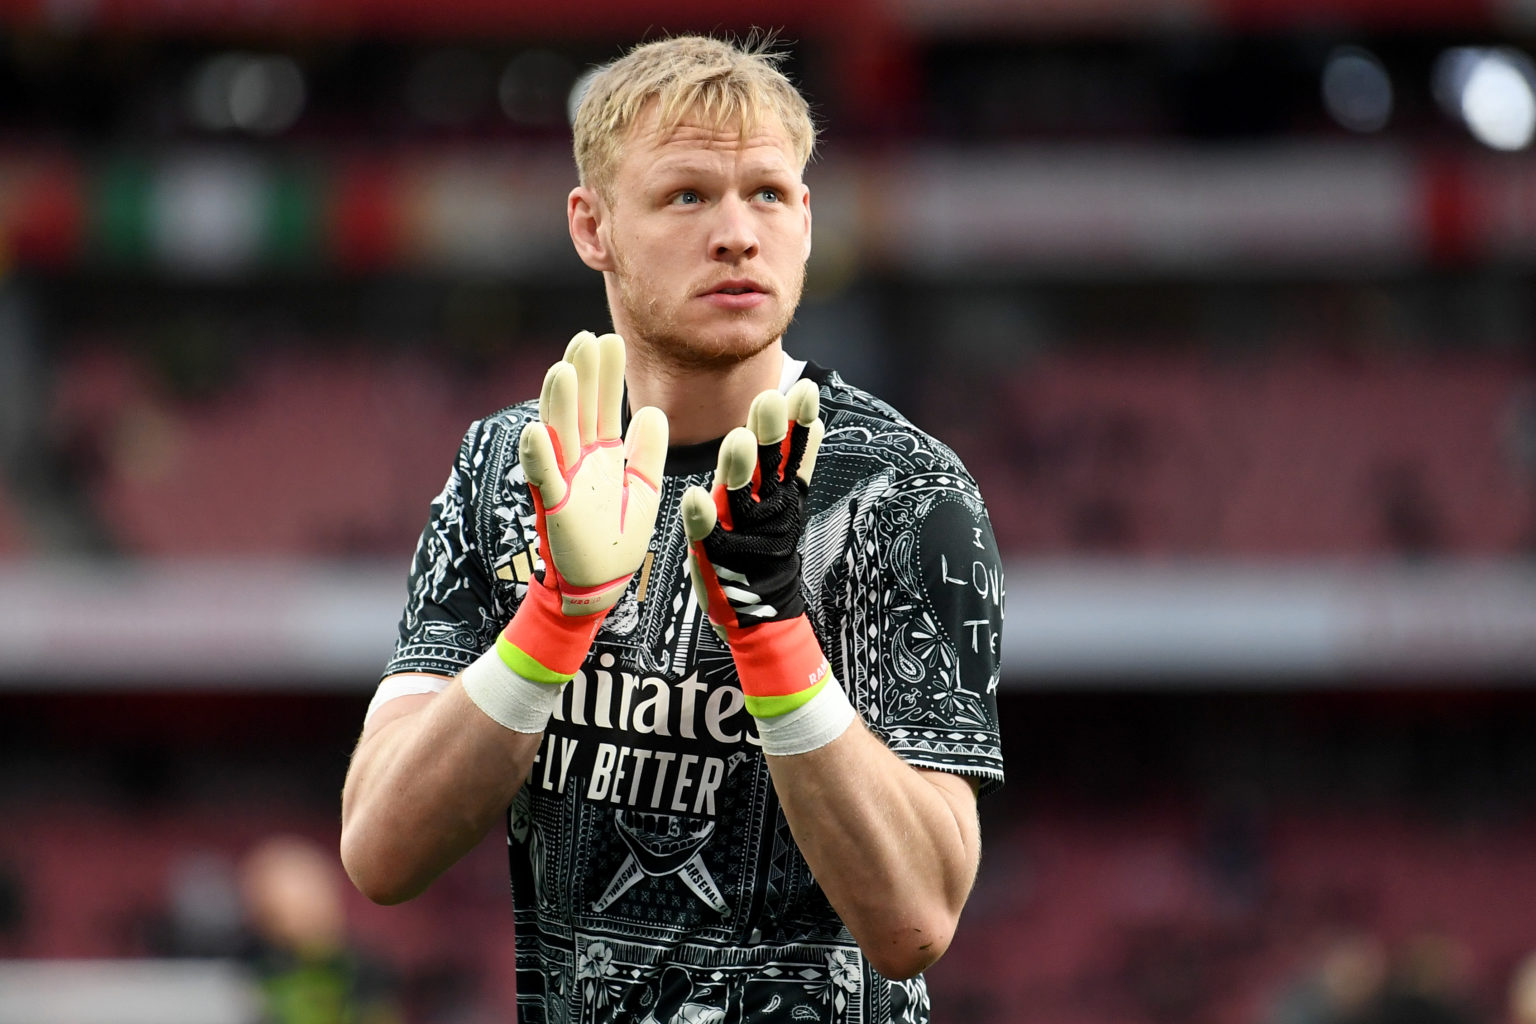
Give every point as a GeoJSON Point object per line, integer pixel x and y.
{"type": "Point", "coordinates": [1227, 303]}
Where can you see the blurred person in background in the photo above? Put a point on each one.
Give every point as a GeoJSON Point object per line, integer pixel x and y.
{"type": "Point", "coordinates": [1342, 984]}
{"type": "Point", "coordinates": [737, 735]}
{"type": "Point", "coordinates": [1427, 984]}
{"type": "Point", "coordinates": [308, 968]}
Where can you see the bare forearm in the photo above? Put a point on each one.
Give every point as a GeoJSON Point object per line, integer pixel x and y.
{"type": "Point", "coordinates": [423, 790]}
{"type": "Point", "coordinates": [895, 851]}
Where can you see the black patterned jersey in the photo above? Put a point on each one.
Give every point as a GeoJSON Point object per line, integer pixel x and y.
{"type": "Point", "coordinates": [654, 877]}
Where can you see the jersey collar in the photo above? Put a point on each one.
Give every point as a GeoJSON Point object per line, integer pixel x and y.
{"type": "Point", "coordinates": [688, 459]}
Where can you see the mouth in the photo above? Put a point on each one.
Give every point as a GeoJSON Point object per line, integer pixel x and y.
{"type": "Point", "coordinates": [736, 288]}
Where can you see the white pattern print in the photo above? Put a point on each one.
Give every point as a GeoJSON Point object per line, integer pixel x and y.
{"type": "Point", "coordinates": [654, 876]}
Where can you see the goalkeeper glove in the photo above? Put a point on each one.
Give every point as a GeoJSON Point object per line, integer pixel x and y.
{"type": "Point", "coordinates": [594, 500]}
{"type": "Point", "coordinates": [744, 560]}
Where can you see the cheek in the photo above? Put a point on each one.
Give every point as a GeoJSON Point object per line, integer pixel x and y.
{"type": "Point", "coordinates": [629, 251]}
{"type": "Point", "coordinates": [645, 248]}
{"type": "Point", "coordinates": [793, 240]}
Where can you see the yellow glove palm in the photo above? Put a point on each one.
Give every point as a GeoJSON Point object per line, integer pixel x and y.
{"type": "Point", "coordinates": [595, 496]}
{"type": "Point", "coordinates": [594, 501]}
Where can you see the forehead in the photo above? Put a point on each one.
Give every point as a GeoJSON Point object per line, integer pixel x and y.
{"type": "Point", "coordinates": [648, 147]}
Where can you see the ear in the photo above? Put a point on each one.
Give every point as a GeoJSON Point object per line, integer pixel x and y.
{"type": "Point", "coordinates": [587, 216]}
{"type": "Point", "coordinates": [805, 203]}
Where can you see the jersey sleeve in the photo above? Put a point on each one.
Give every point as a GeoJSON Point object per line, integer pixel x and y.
{"type": "Point", "coordinates": [450, 614]}
{"type": "Point", "coordinates": [920, 645]}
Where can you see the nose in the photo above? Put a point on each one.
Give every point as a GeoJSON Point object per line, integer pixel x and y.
{"type": "Point", "coordinates": [734, 236]}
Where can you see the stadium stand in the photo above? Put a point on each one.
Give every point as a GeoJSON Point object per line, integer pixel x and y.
{"type": "Point", "coordinates": [1152, 860]}
{"type": "Point", "coordinates": [1270, 456]}
{"type": "Point", "coordinates": [302, 453]}
{"type": "Point", "coordinates": [1149, 455]}
{"type": "Point", "coordinates": [1146, 455]}
{"type": "Point", "coordinates": [1077, 918]}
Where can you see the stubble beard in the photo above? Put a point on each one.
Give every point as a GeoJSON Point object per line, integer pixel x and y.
{"type": "Point", "coordinates": [658, 329]}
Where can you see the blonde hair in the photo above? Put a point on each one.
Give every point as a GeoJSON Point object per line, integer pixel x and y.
{"type": "Point", "coordinates": [723, 84]}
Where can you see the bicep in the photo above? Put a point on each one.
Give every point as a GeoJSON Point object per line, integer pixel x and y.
{"type": "Point", "coordinates": [399, 696]}
{"type": "Point", "coordinates": [960, 793]}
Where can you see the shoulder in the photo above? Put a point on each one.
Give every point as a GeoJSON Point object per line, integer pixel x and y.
{"type": "Point", "coordinates": [892, 507]}
{"type": "Point", "coordinates": [498, 428]}
{"type": "Point", "coordinates": [869, 441]}
{"type": "Point", "coordinates": [911, 583]}
{"type": "Point", "coordinates": [489, 444]}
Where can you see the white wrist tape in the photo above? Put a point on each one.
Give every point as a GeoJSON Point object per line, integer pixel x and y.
{"type": "Point", "coordinates": [813, 724]}
{"type": "Point", "coordinates": [510, 700]}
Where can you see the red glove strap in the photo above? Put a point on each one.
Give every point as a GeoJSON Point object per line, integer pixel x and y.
{"type": "Point", "coordinates": [776, 659]}
{"type": "Point", "coordinates": [557, 641]}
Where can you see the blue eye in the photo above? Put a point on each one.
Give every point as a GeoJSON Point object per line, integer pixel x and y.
{"type": "Point", "coordinates": [769, 194]}
{"type": "Point", "coordinates": [687, 198]}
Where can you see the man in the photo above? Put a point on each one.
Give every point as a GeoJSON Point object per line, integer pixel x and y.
{"type": "Point", "coordinates": [738, 735]}
{"type": "Point", "coordinates": [305, 960]}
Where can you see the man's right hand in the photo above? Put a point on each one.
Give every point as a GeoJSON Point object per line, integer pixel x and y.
{"type": "Point", "coordinates": [595, 496]}
{"type": "Point", "coordinates": [594, 500]}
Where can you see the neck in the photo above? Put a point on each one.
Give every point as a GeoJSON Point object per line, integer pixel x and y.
{"type": "Point", "coordinates": [701, 403]}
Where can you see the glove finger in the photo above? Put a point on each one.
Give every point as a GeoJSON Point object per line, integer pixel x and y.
{"type": "Point", "coordinates": [701, 593]}
{"type": "Point", "coordinates": [807, 466]}
{"type": "Point", "coordinates": [737, 459]}
{"type": "Point", "coordinates": [583, 354]}
{"type": "Point", "coordinates": [698, 508]}
{"type": "Point", "coordinates": [557, 411]}
{"type": "Point", "coordinates": [803, 401]}
{"type": "Point", "coordinates": [768, 419]}
{"type": "Point", "coordinates": [803, 405]}
{"type": "Point", "coordinates": [540, 465]}
{"type": "Point", "coordinates": [610, 387]}
{"type": "Point", "coordinates": [698, 517]}
{"type": "Point", "coordinates": [645, 446]}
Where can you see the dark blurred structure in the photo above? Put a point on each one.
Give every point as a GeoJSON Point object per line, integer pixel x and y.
{"type": "Point", "coordinates": [1230, 307]}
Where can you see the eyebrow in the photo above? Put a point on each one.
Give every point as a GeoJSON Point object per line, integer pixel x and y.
{"type": "Point", "coordinates": [687, 167]}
